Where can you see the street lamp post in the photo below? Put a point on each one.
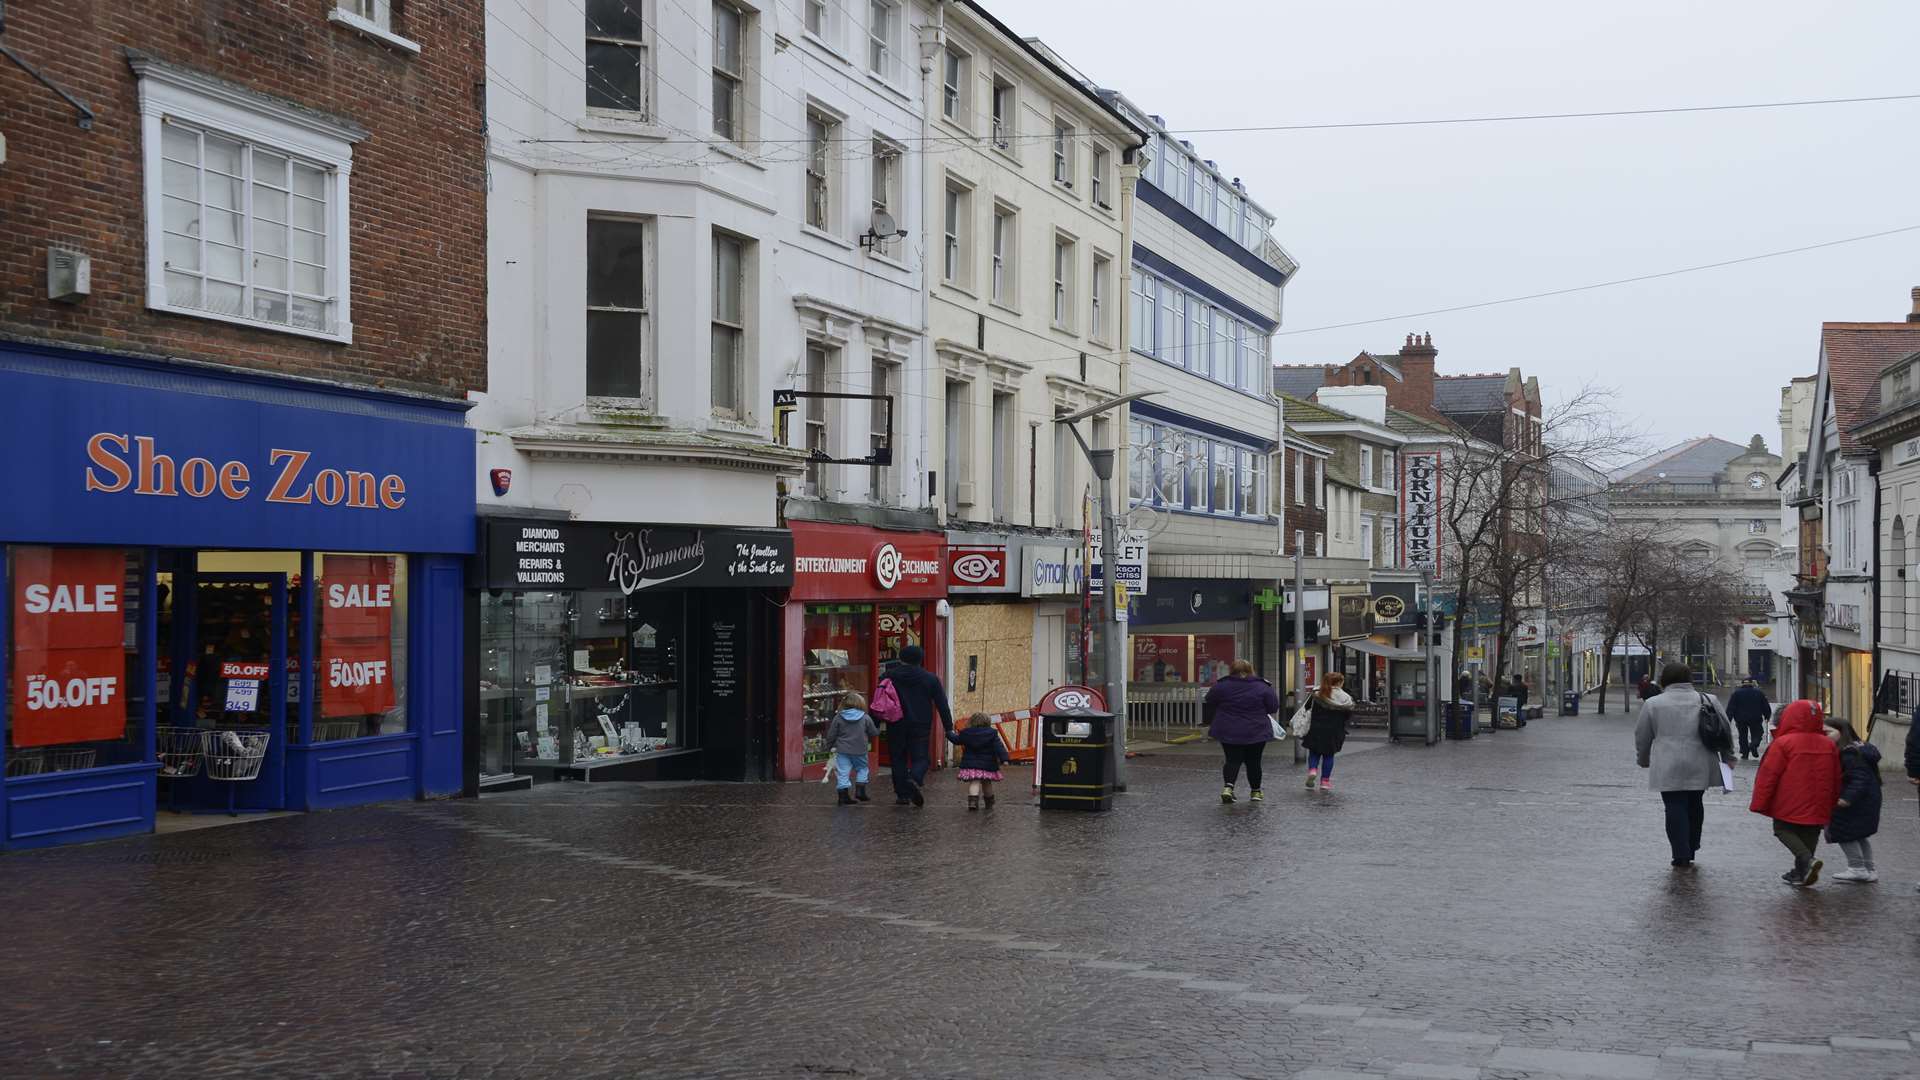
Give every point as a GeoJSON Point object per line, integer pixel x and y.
{"type": "Point", "coordinates": [1116, 638]}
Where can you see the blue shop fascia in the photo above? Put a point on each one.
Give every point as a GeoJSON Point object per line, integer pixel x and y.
{"type": "Point", "coordinates": [227, 592]}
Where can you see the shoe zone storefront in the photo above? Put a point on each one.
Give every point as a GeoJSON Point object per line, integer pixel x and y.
{"type": "Point", "coordinates": [226, 592]}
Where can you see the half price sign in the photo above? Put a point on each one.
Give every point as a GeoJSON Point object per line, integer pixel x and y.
{"type": "Point", "coordinates": [69, 659]}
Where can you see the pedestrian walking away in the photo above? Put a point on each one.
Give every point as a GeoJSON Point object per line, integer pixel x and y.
{"type": "Point", "coordinates": [1797, 786]}
{"type": "Point", "coordinates": [1913, 755]}
{"type": "Point", "coordinates": [1239, 712]}
{"type": "Point", "coordinates": [982, 754]}
{"type": "Point", "coordinates": [1518, 690]}
{"type": "Point", "coordinates": [1749, 710]}
{"type": "Point", "coordinates": [849, 739]}
{"type": "Point", "coordinates": [1331, 708]}
{"type": "Point", "coordinates": [1679, 765]}
{"type": "Point", "coordinates": [922, 697]}
{"type": "Point", "coordinates": [1647, 689]}
{"type": "Point", "coordinates": [1856, 816]}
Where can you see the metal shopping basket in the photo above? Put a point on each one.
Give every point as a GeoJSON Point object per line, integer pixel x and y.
{"type": "Point", "coordinates": [36, 762]}
{"type": "Point", "coordinates": [234, 754]}
{"type": "Point", "coordinates": [179, 750]}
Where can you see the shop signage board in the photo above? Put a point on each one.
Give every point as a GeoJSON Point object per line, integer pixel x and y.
{"type": "Point", "coordinates": [561, 555]}
{"type": "Point", "coordinates": [1420, 509]}
{"type": "Point", "coordinates": [982, 568]}
{"type": "Point", "coordinates": [852, 562]}
{"type": "Point", "coordinates": [69, 661]}
{"type": "Point", "coordinates": [132, 448]}
{"type": "Point", "coordinates": [1352, 614]}
{"type": "Point", "coordinates": [1130, 568]}
{"type": "Point", "coordinates": [1187, 600]}
{"type": "Point", "coordinates": [1396, 605]}
{"type": "Point", "coordinates": [356, 636]}
{"type": "Point", "coordinates": [1071, 696]}
{"type": "Point", "coordinates": [1051, 570]}
{"type": "Point", "coordinates": [1162, 658]}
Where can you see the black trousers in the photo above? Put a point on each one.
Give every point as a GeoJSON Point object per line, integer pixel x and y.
{"type": "Point", "coordinates": [1247, 753]}
{"type": "Point", "coordinates": [1750, 734]}
{"type": "Point", "coordinates": [907, 749]}
{"type": "Point", "coordinates": [1686, 813]}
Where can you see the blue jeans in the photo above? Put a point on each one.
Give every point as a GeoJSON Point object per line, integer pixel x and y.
{"type": "Point", "coordinates": [844, 764]}
{"type": "Point", "coordinates": [1320, 763]}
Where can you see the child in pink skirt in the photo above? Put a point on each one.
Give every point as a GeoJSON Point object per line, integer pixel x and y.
{"type": "Point", "coordinates": [982, 754]}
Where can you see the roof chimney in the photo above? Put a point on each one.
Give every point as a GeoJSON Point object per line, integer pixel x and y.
{"type": "Point", "coordinates": [1914, 316]}
{"type": "Point", "coordinates": [1416, 360]}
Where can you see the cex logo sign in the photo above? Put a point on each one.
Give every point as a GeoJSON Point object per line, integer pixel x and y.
{"type": "Point", "coordinates": [977, 566]}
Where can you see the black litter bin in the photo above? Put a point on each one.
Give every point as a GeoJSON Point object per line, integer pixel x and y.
{"type": "Point", "coordinates": [1076, 746]}
{"type": "Point", "coordinates": [1570, 703]}
{"type": "Point", "coordinates": [1460, 721]}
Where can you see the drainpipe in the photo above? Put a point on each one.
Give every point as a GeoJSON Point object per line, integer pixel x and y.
{"type": "Point", "coordinates": [933, 38]}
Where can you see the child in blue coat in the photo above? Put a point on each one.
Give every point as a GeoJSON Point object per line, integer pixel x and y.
{"type": "Point", "coordinates": [982, 755]}
{"type": "Point", "coordinates": [1856, 816]}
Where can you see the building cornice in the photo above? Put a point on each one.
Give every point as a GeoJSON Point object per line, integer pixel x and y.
{"type": "Point", "coordinates": [562, 442]}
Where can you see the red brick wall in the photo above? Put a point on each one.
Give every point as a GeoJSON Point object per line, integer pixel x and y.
{"type": "Point", "coordinates": [418, 188]}
{"type": "Point", "coordinates": [1311, 518]}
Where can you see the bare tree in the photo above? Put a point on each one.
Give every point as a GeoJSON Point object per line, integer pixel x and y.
{"type": "Point", "coordinates": [1503, 513]}
{"type": "Point", "coordinates": [1617, 567]}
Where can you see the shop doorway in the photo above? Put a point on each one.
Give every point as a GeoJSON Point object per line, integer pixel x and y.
{"type": "Point", "coordinates": [223, 731]}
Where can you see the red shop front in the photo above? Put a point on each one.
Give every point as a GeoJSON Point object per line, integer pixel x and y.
{"type": "Point", "coordinates": [859, 596]}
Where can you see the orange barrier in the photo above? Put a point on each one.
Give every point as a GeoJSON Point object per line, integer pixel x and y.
{"type": "Point", "coordinates": [1020, 730]}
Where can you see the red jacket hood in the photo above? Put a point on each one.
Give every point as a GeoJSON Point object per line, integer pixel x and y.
{"type": "Point", "coordinates": [1802, 716]}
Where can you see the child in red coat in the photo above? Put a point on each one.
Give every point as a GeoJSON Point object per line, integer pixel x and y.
{"type": "Point", "coordinates": [1797, 785]}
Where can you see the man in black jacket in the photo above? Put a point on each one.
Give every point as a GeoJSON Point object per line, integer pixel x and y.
{"type": "Point", "coordinates": [921, 697]}
{"type": "Point", "coordinates": [1749, 710]}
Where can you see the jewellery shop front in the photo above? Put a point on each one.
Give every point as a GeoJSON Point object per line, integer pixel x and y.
{"type": "Point", "coordinates": [226, 592]}
{"type": "Point", "coordinates": [860, 595]}
{"type": "Point", "coordinates": [623, 651]}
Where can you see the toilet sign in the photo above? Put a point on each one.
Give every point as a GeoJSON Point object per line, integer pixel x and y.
{"type": "Point", "coordinates": [69, 659]}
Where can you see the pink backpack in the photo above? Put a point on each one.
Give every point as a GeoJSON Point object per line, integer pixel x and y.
{"type": "Point", "coordinates": [886, 702]}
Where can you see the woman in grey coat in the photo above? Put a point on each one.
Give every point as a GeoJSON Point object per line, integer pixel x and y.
{"type": "Point", "coordinates": [1679, 766]}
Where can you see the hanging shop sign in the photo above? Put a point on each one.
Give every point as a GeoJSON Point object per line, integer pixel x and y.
{"type": "Point", "coordinates": [983, 563]}
{"type": "Point", "coordinates": [1758, 636]}
{"type": "Point", "coordinates": [69, 637]}
{"type": "Point", "coordinates": [561, 555]}
{"type": "Point", "coordinates": [211, 460]}
{"type": "Point", "coordinates": [1420, 505]}
{"type": "Point", "coordinates": [851, 562]}
{"type": "Point", "coordinates": [1186, 600]}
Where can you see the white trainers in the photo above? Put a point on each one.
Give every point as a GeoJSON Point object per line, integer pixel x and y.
{"type": "Point", "coordinates": [1858, 877]}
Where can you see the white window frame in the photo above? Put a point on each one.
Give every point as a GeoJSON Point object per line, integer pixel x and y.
{"type": "Point", "coordinates": [1366, 467]}
{"type": "Point", "coordinates": [643, 109]}
{"type": "Point", "coordinates": [1366, 538]}
{"type": "Point", "coordinates": [201, 101]}
{"type": "Point", "coordinates": [1003, 286]}
{"type": "Point", "coordinates": [373, 18]}
{"type": "Point", "coordinates": [1300, 541]}
{"type": "Point", "coordinates": [821, 172]}
{"type": "Point", "coordinates": [1319, 484]}
{"type": "Point", "coordinates": [741, 407]}
{"type": "Point", "coordinates": [818, 18]}
{"type": "Point", "coordinates": [1389, 470]}
{"type": "Point", "coordinates": [887, 177]}
{"type": "Point", "coordinates": [648, 371]}
{"type": "Point", "coordinates": [1299, 478]}
{"type": "Point", "coordinates": [956, 223]}
{"type": "Point", "coordinates": [1100, 180]}
{"type": "Point", "coordinates": [1066, 288]}
{"type": "Point", "coordinates": [1064, 137]}
{"type": "Point", "coordinates": [1004, 123]}
{"type": "Point", "coordinates": [883, 381]}
{"type": "Point", "coordinates": [1099, 290]}
{"type": "Point", "coordinates": [956, 97]}
{"type": "Point", "coordinates": [738, 122]}
{"type": "Point", "coordinates": [814, 377]}
{"type": "Point", "coordinates": [1320, 545]}
{"type": "Point", "coordinates": [883, 41]}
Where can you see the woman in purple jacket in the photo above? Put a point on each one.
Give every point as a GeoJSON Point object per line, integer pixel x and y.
{"type": "Point", "coordinates": [1238, 712]}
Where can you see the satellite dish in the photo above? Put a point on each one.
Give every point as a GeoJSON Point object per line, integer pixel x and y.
{"type": "Point", "coordinates": [882, 224]}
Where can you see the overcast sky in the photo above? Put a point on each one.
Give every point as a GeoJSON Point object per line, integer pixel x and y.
{"type": "Point", "coordinates": [1395, 220]}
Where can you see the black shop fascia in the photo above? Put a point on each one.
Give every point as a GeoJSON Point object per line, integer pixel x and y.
{"type": "Point", "coordinates": [621, 651]}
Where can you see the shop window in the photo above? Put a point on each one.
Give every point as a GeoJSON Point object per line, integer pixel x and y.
{"type": "Point", "coordinates": [847, 648]}
{"type": "Point", "coordinates": [74, 661]}
{"type": "Point", "coordinates": [569, 678]}
{"type": "Point", "coordinates": [360, 663]}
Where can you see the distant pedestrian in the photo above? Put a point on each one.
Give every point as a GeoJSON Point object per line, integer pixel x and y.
{"type": "Point", "coordinates": [922, 697]}
{"type": "Point", "coordinates": [1238, 711]}
{"type": "Point", "coordinates": [1797, 786]}
{"type": "Point", "coordinates": [1463, 690]}
{"type": "Point", "coordinates": [1326, 730]}
{"type": "Point", "coordinates": [1647, 689]}
{"type": "Point", "coordinates": [1913, 754]}
{"type": "Point", "coordinates": [1856, 816]}
{"type": "Point", "coordinates": [1518, 691]}
{"type": "Point", "coordinates": [1679, 766]}
{"type": "Point", "coordinates": [849, 738]}
{"type": "Point", "coordinates": [982, 754]}
{"type": "Point", "coordinates": [1749, 710]}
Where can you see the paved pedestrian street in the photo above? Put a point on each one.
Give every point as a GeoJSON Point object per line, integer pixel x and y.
{"type": "Point", "coordinates": [1501, 908]}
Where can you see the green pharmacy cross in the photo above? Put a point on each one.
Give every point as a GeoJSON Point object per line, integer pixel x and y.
{"type": "Point", "coordinates": [1267, 599]}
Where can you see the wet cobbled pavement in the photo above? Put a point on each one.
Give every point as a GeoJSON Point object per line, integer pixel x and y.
{"type": "Point", "coordinates": [1498, 908]}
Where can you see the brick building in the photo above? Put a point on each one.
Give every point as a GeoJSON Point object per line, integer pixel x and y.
{"type": "Point", "coordinates": [242, 299]}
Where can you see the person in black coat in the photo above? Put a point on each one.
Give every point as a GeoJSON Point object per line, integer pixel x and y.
{"type": "Point", "coordinates": [1328, 709]}
{"type": "Point", "coordinates": [982, 754]}
{"type": "Point", "coordinates": [922, 698]}
{"type": "Point", "coordinates": [1749, 710]}
{"type": "Point", "coordinates": [1856, 816]}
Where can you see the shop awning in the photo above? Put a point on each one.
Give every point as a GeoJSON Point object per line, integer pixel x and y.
{"type": "Point", "coordinates": [1374, 648]}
